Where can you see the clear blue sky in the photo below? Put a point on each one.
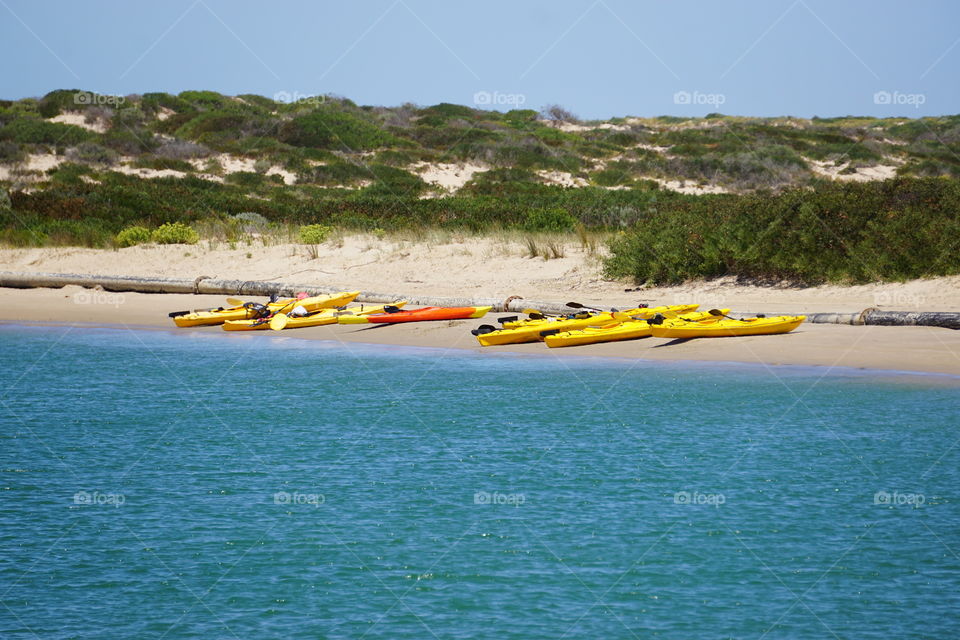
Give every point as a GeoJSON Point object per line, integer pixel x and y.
{"type": "Point", "coordinates": [598, 59]}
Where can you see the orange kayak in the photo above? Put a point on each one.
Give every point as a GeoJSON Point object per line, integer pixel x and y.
{"type": "Point", "coordinates": [418, 315]}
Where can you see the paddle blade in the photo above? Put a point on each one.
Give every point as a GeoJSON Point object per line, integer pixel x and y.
{"type": "Point", "coordinates": [716, 312]}
{"type": "Point", "coordinates": [577, 305]}
{"type": "Point", "coordinates": [482, 329]}
{"type": "Point", "coordinates": [279, 321]}
{"type": "Point", "coordinates": [235, 302]}
{"type": "Point", "coordinates": [508, 319]}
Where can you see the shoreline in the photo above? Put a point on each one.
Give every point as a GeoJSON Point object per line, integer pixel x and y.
{"type": "Point", "coordinates": [505, 352]}
{"type": "Point", "coordinates": [906, 350]}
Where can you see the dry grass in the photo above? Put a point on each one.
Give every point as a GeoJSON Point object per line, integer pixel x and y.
{"type": "Point", "coordinates": [546, 249]}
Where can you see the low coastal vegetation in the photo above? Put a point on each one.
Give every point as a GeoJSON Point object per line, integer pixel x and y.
{"type": "Point", "coordinates": [826, 199]}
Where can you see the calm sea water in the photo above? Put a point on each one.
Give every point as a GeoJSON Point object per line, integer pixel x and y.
{"type": "Point", "coordinates": [159, 485]}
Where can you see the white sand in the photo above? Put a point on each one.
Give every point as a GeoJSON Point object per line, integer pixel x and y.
{"type": "Point", "coordinates": [79, 120]}
{"type": "Point", "coordinates": [562, 179]}
{"type": "Point", "coordinates": [863, 174]}
{"type": "Point", "coordinates": [35, 162]}
{"type": "Point", "coordinates": [449, 177]}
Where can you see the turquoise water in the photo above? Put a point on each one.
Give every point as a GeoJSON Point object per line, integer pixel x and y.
{"type": "Point", "coordinates": [159, 485]}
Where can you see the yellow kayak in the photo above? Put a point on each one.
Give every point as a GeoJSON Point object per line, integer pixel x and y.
{"type": "Point", "coordinates": [314, 319]}
{"type": "Point", "coordinates": [529, 330]}
{"type": "Point", "coordinates": [716, 326]}
{"type": "Point", "coordinates": [614, 331]}
{"type": "Point", "coordinates": [252, 310]}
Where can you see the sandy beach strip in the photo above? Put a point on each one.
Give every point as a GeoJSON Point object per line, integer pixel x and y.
{"type": "Point", "coordinates": [910, 349]}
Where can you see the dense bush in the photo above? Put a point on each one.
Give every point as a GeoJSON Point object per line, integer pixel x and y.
{"type": "Point", "coordinates": [32, 130]}
{"type": "Point", "coordinates": [394, 182]}
{"type": "Point", "coordinates": [91, 153]}
{"type": "Point", "coordinates": [132, 236]}
{"type": "Point", "coordinates": [246, 178]}
{"type": "Point", "coordinates": [58, 101]}
{"type": "Point", "coordinates": [552, 220]}
{"type": "Point", "coordinates": [329, 129]}
{"type": "Point", "coordinates": [159, 163]}
{"type": "Point", "coordinates": [182, 150]}
{"type": "Point", "coordinates": [841, 232]}
{"type": "Point", "coordinates": [175, 233]}
{"type": "Point", "coordinates": [10, 152]}
{"type": "Point", "coordinates": [154, 101]}
{"type": "Point", "coordinates": [334, 174]}
{"type": "Point", "coordinates": [314, 233]}
{"type": "Point", "coordinates": [130, 141]}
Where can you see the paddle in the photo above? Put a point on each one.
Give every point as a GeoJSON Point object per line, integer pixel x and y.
{"type": "Point", "coordinates": [235, 302]}
{"type": "Point", "coordinates": [721, 314]}
{"type": "Point", "coordinates": [508, 319]}
{"type": "Point", "coordinates": [577, 305]}
{"type": "Point", "coordinates": [280, 319]}
{"type": "Point", "coordinates": [175, 314]}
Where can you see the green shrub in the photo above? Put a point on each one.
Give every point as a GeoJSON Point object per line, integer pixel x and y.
{"type": "Point", "coordinates": [552, 220]}
{"type": "Point", "coordinates": [130, 141]}
{"type": "Point", "coordinates": [394, 181]}
{"type": "Point", "coordinates": [132, 236]}
{"type": "Point", "coordinates": [205, 99]}
{"type": "Point", "coordinates": [58, 101]}
{"type": "Point", "coordinates": [226, 123]}
{"type": "Point", "coordinates": [314, 233]}
{"type": "Point", "coordinates": [245, 178]}
{"type": "Point", "coordinates": [161, 163]}
{"type": "Point", "coordinates": [334, 174]}
{"type": "Point", "coordinates": [36, 131]}
{"type": "Point", "coordinates": [175, 233]}
{"type": "Point", "coordinates": [91, 153]}
{"type": "Point", "coordinates": [153, 102]}
{"type": "Point", "coordinates": [857, 232]}
{"type": "Point", "coordinates": [329, 129]}
{"type": "Point", "coordinates": [10, 152]}
{"type": "Point", "coordinates": [446, 110]}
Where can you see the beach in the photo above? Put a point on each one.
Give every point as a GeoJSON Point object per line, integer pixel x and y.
{"type": "Point", "coordinates": [493, 267]}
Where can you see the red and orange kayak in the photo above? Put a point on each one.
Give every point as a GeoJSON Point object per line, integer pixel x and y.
{"type": "Point", "coordinates": [419, 315]}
